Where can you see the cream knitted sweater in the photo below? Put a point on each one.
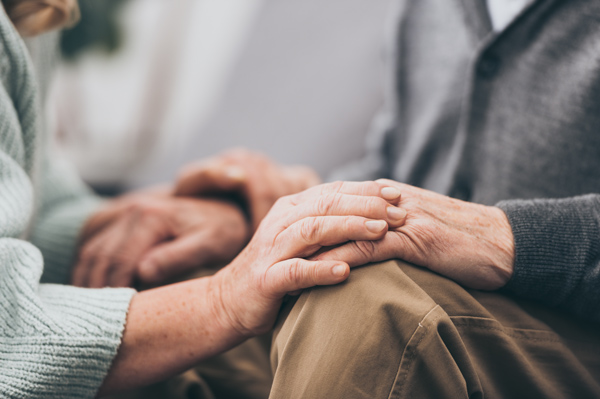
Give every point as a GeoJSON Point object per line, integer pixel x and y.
{"type": "Point", "coordinates": [56, 341]}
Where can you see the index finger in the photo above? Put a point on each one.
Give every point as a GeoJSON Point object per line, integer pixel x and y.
{"type": "Point", "coordinates": [366, 188]}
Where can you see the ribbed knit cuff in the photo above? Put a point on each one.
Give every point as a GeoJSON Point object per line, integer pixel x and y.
{"type": "Point", "coordinates": [55, 341]}
{"type": "Point", "coordinates": [57, 234]}
{"type": "Point", "coordinates": [555, 241]}
{"type": "Point", "coordinates": [71, 359]}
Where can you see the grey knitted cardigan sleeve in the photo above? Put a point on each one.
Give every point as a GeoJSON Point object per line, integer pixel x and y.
{"type": "Point", "coordinates": [56, 341]}
{"type": "Point", "coordinates": [557, 252]}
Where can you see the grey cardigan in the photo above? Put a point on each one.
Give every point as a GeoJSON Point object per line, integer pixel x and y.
{"type": "Point", "coordinates": [509, 119]}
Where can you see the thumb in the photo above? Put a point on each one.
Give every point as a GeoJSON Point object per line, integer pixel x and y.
{"type": "Point", "coordinates": [209, 179]}
{"type": "Point", "coordinates": [296, 274]}
{"type": "Point", "coordinates": [169, 259]}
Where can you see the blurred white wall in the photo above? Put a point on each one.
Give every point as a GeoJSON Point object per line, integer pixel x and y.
{"type": "Point", "coordinates": [296, 79]}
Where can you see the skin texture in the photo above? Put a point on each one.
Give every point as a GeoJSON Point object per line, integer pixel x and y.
{"type": "Point", "coordinates": [255, 178]}
{"type": "Point", "coordinates": [152, 238]}
{"type": "Point", "coordinates": [171, 328]}
{"type": "Point", "coordinates": [470, 243]}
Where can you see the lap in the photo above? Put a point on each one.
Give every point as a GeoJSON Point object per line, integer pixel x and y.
{"type": "Point", "coordinates": [394, 330]}
{"type": "Point", "coordinates": [398, 331]}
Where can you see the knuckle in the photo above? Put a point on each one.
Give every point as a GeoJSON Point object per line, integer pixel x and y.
{"type": "Point", "coordinates": [142, 206]}
{"type": "Point", "coordinates": [295, 199]}
{"type": "Point", "coordinates": [325, 204]}
{"type": "Point", "coordinates": [311, 275]}
{"type": "Point", "coordinates": [365, 248]}
{"type": "Point", "coordinates": [350, 225]}
{"type": "Point", "coordinates": [87, 253]}
{"type": "Point", "coordinates": [285, 201]}
{"type": "Point", "coordinates": [114, 260]}
{"type": "Point", "coordinates": [334, 187]}
{"type": "Point", "coordinates": [371, 206]}
{"type": "Point", "coordinates": [310, 229]}
{"type": "Point", "coordinates": [379, 207]}
{"type": "Point", "coordinates": [292, 272]}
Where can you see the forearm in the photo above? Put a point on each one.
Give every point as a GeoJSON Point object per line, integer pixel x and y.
{"type": "Point", "coordinates": [168, 330]}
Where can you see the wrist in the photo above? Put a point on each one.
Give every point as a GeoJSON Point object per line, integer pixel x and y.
{"type": "Point", "coordinates": [504, 246]}
{"type": "Point", "coordinates": [240, 302]}
{"type": "Point", "coordinates": [224, 302]}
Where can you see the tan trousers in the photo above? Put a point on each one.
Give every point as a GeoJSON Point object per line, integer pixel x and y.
{"type": "Point", "coordinates": [398, 331]}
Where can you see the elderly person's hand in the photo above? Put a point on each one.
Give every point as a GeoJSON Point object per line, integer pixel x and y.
{"type": "Point", "coordinates": [470, 243]}
{"type": "Point", "coordinates": [171, 328]}
{"type": "Point", "coordinates": [256, 179]}
{"type": "Point", "coordinates": [273, 264]}
{"type": "Point", "coordinates": [152, 237]}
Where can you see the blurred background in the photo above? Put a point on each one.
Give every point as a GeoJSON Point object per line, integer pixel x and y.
{"type": "Point", "coordinates": [145, 86]}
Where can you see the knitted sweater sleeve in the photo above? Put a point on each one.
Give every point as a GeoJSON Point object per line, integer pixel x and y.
{"type": "Point", "coordinates": [65, 202]}
{"type": "Point", "coordinates": [557, 248]}
{"type": "Point", "coordinates": [55, 341]}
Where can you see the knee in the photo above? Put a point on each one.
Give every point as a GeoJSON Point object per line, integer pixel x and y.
{"type": "Point", "coordinates": [377, 302]}
{"type": "Point", "coordinates": [356, 331]}
{"type": "Point", "coordinates": [373, 292]}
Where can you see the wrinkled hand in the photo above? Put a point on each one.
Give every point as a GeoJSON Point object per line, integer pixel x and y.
{"type": "Point", "coordinates": [153, 238]}
{"type": "Point", "coordinates": [252, 287]}
{"type": "Point", "coordinates": [469, 243]}
{"type": "Point", "coordinates": [258, 180]}
{"type": "Point", "coordinates": [111, 210]}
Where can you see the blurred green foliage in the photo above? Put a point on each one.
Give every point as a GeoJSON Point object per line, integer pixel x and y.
{"type": "Point", "coordinates": [98, 28]}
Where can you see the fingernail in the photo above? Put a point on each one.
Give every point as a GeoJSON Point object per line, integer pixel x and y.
{"type": "Point", "coordinates": [376, 226]}
{"type": "Point", "coordinates": [396, 214]}
{"type": "Point", "coordinates": [390, 193]}
{"type": "Point", "coordinates": [235, 173]}
{"type": "Point", "coordinates": [339, 270]}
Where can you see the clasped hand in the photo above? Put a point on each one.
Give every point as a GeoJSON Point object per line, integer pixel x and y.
{"type": "Point", "coordinates": [470, 243]}
{"type": "Point", "coordinates": [150, 237]}
{"type": "Point", "coordinates": [246, 295]}
{"type": "Point", "coordinates": [274, 263]}
{"type": "Point", "coordinates": [467, 242]}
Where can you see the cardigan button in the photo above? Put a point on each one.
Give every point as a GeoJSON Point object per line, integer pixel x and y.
{"type": "Point", "coordinates": [488, 66]}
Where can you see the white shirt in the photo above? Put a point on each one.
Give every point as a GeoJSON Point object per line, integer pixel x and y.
{"type": "Point", "coordinates": [503, 12]}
